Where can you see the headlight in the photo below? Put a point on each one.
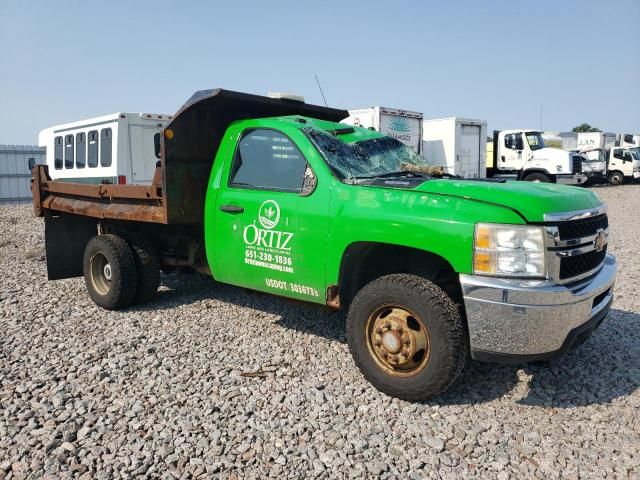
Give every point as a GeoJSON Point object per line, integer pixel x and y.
{"type": "Point", "coordinates": [509, 250]}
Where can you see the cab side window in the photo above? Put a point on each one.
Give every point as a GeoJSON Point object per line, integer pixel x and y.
{"type": "Point", "coordinates": [618, 154]}
{"type": "Point", "coordinates": [509, 140]}
{"type": "Point", "coordinates": [267, 160]}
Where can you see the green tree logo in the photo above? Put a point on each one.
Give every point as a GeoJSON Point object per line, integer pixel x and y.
{"type": "Point", "coordinates": [269, 214]}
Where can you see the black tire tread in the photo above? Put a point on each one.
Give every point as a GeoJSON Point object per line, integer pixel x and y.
{"type": "Point", "coordinates": [148, 269]}
{"type": "Point", "coordinates": [448, 316]}
{"type": "Point", "coordinates": [541, 176]}
{"type": "Point", "coordinates": [616, 174]}
{"type": "Point", "coordinates": [122, 292]}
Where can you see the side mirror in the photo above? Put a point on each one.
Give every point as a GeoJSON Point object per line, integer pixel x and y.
{"type": "Point", "coordinates": [519, 144]}
{"type": "Point", "coordinates": [156, 144]}
{"type": "Point", "coordinates": [31, 163]}
{"type": "Point", "coordinates": [309, 183]}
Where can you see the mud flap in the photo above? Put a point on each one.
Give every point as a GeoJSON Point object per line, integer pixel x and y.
{"type": "Point", "coordinates": [65, 240]}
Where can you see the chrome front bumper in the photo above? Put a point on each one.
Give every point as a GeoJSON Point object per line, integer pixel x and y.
{"type": "Point", "coordinates": [533, 319]}
{"type": "Point", "coordinates": [574, 179]}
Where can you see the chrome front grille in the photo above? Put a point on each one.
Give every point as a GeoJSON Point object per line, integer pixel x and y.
{"type": "Point", "coordinates": [577, 164]}
{"type": "Point", "coordinates": [576, 244]}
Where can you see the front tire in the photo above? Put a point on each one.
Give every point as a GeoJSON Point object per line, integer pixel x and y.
{"type": "Point", "coordinates": [406, 337]}
{"type": "Point", "coordinates": [616, 178]}
{"type": "Point", "coordinates": [537, 177]}
{"type": "Point", "coordinates": [110, 272]}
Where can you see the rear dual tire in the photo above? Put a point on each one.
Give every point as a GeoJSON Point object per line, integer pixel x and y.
{"type": "Point", "coordinates": [118, 274]}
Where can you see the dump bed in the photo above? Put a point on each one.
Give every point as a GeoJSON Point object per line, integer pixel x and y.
{"type": "Point", "coordinates": [189, 144]}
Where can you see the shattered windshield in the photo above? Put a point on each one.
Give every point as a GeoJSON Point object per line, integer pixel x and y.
{"type": "Point", "coordinates": [535, 140]}
{"type": "Point", "coordinates": [372, 158]}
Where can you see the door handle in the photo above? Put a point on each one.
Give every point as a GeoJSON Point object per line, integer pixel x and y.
{"type": "Point", "coordinates": [231, 208]}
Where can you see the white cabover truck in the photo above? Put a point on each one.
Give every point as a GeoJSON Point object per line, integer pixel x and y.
{"type": "Point", "coordinates": [119, 148]}
{"type": "Point", "coordinates": [403, 125]}
{"type": "Point", "coordinates": [623, 165]}
{"type": "Point", "coordinates": [457, 144]}
{"type": "Point", "coordinates": [594, 148]}
{"type": "Point", "coordinates": [522, 155]}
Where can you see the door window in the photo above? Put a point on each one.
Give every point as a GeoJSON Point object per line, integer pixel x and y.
{"type": "Point", "coordinates": [267, 160]}
{"type": "Point", "coordinates": [511, 141]}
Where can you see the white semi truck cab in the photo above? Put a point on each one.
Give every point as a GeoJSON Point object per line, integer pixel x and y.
{"type": "Point", "coordinates": [624, 165]}
{"type": "Point", "coordinates": [522, 154]}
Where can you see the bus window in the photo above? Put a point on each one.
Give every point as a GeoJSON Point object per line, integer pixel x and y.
{"type": "Point", "coordinates": [68, 151]}
{"type": "Point", "coordinates": [105, 147]}
{"type": "Point", "coordinates": [57, 153]}
{"type": "Point", "coordinates": [92, 149]}
{"type": "Point", "coordinates": [81, 150]}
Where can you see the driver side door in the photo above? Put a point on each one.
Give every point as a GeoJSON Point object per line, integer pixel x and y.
{"type": "Point", "coordinates": [270, 226]}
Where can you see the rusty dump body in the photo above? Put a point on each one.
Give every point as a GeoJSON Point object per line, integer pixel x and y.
{"type": "Point", "coordinates": [171, 207]}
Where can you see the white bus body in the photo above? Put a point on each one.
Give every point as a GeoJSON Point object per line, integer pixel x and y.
{"type": "Point", "coordinates": [116, 148]}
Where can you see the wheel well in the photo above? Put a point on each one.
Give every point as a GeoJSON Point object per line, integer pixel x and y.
{"type": "Point", "coordinates": [363, 262]}
{"type": "Point", "coordinates": [536, 170]}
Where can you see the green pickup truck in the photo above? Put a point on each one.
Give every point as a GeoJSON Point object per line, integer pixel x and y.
{"type": "Point", "coordinates": [276, 195]}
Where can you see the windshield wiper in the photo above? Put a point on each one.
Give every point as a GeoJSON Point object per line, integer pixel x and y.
{"type": "Point", "coordinates": [401, 173]}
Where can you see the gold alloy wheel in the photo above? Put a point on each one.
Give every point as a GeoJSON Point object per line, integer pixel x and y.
{"type": "Point", "coordinates": [100, 273]}
{"type": "Point", "coordinates": [397, 340]}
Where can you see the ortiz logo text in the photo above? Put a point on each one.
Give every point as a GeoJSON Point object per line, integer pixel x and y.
{"type": "Point", "coordinates": [269, 217]}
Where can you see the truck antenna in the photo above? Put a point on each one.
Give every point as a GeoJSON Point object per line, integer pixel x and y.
{"type": "Point", "coordinates": [321, 92]}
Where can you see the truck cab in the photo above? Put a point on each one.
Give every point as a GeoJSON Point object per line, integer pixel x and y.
{"type": "Point", "coordinates": [594, 164]}
{"type": "Point", "coordinates": [623, 165]}
{"type": "Point", "coordinates": [522, 155]}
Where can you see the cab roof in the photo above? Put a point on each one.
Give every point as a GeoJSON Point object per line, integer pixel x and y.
{"type": "Point", "coordinates": [346, 133]}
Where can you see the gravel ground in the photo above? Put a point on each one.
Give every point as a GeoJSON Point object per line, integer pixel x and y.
{"type": "Point", "coordinates": [215, 381]}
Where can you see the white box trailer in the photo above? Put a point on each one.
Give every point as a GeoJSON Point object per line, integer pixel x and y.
{"type": "Point", "coordinates": [403, 125]}
{"type": "Point", "coordinates": [627, 140]}
{"type": "Point", "coordinates": [457, 144]}
{"type": "Point", "coordinates": [593, 140]}
{"type": "Point", "coordinates": [581, 141]}
{"type": "Point", "coordinates": [15, 174]}
{"type": "Point", "coordinates": [116, 148]}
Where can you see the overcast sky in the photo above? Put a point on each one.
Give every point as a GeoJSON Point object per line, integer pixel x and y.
{"type": "Point", "coordinates": [498, 61]}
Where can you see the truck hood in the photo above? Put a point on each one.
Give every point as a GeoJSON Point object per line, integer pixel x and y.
{"type": "Point", "coordinates": [531, 200]}
{"type": "Point", "coordinates": [551, 154]}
